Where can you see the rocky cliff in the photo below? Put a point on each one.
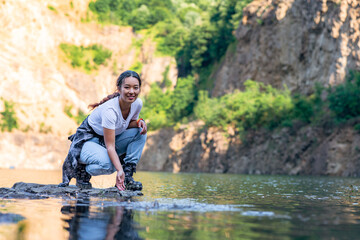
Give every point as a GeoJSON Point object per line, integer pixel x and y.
{"type": "Point", "coordinates": [294, 43]}
{"type": "Point", "coordinates": [36, 77]}
{"type": "Point", "coordinates": [305, 150]}
{"type": "Point", "coordinates": [279, 42]}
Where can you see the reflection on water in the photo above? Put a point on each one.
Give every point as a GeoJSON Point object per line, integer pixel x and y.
{"type": "Point", "coordinates": [110, 223]}
{"type": "Point", "coordinates": [192, 206]}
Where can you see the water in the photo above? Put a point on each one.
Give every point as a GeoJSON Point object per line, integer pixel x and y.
{"type": "Point", "coordinates": [190, 206]}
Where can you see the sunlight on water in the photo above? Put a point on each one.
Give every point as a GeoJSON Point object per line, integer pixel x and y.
{"type": "Point", "coordinates": [189, 206]}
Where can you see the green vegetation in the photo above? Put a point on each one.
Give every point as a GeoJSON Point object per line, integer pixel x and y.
{"type": "Point", "coordinates": [86, 58]}
{"type": "Point", "coordinates": [52, 8]}
{"type": "Point", "coordinates": [137, 67]}
{"type": "Point", "coordinates": [79, 118]}
{"type": "Point", "coordinates": [166, 83]}
{"type": "Point", "coordinates": [196, 32]}
{"type": "Point", "coordinates": [261, 106]}
{"type": "Point", "coordinates": [344, 99]}
{"type": "Point", "coordinates": [44, 129]}
{"type": "Point", "coordinates": [167, 109]}
{"type": "Point", "coordinates": [257, 106]}
{"type": "Point", "coordinates": [8, 120]}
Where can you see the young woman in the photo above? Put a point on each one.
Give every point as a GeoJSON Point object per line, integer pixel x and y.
{"type": "Point", "coordinates": [110, 139]}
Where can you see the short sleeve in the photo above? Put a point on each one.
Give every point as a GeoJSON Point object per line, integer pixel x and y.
{"type": "Point", "coordinates": [108, 119]}
{"type": "Point", "coordinates": [138, 109]}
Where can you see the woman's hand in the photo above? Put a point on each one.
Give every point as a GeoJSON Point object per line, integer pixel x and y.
{"type": "Point", "coordinates": [120, 178]}
{"type": "Point", "coordinates": [142, 124]}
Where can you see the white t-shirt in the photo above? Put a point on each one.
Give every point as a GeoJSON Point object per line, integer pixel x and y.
{"type": "Point", "coordinates": [108, 115]}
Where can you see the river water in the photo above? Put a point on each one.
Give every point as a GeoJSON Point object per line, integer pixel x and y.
{"type": "Point", "coordinates": [189, 206]}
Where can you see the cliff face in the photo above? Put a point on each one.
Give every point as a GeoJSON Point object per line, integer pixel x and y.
{"type": "Point", "coordinates": [279, 42]}
{"type": "Point", "coordinates": [304, 151]}
{"type": "Point", "coordinates": [36, 77]}
{"type": "Point", "coordinates": [294, 43]}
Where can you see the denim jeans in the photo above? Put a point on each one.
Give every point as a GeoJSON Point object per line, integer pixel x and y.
{"type": "Point", "coordinates": [97, 160]}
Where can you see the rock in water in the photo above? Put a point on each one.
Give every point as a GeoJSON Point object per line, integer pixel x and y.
{"type": "Point", "coordinates": [22, 190]}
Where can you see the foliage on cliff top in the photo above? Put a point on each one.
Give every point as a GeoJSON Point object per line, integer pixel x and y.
{"type": "Point", "coordinates": [196, 32]}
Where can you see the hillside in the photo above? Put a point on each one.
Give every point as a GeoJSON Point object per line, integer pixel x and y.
{"type": "Point", "coordinates": [40, 81]}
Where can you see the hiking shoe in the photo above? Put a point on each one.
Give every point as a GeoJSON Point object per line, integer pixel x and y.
{"type": "Point", "coordinates": [130, 183]}
{"type": "Point", "coordinates": [82, 177]}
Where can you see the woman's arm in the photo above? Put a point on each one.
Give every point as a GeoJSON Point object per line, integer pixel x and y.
{"type": "Point", "coordinates": [132, 124]}
{"type": "Point", "coordinates": [140, 124]}
{"type": "Point", "coordinates": [109, 137]}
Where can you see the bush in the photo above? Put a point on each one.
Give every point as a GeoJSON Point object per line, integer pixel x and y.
{"type": "Point", "coordinates": [167, 109]}
{"type": "Point", "coordinates": [137, 67]}
{"type": "Point", "coordinates": [156, 105]}
{"type": "Point", "coordinates": [344, 99]}
{"type": "Point", "coordinates": [182, 99]}
{"type": "Point", "coordinates": [8, 119]}
{"type": "Point", "coordinates": [257, 106]}
{"type": "Point", "coordinates": [79, 118]}
{"type": "Point", "coordinates": [87, 58]}
{"type": "Point", "coordinates": [52, 8]}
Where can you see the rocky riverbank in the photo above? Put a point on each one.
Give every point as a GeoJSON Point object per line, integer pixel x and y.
{"type": "Point", "coordinates": [299, 150]}
{"type": "Point", "coordinates": [22, 190]}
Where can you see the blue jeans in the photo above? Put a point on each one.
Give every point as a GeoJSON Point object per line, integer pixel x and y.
{"type": "Point", "coordinates": [97, 160]}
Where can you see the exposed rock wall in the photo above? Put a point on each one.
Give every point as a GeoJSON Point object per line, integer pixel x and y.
{"type": "Point", "coordinates": [294, 43]}
{"type": "Point", "coordinates": [304, 151]}
{"type": "Point", "coordinates": [35, 76]}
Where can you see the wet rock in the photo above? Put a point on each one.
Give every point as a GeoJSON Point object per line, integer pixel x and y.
{"type": "Point", "coordinates": [22, 190]}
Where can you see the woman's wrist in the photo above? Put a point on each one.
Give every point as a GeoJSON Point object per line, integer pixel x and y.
{"type": "Point", "coordinates": [140, 119]}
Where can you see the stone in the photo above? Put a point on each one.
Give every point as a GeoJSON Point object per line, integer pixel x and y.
{"type": "Point", "coordinates": [22, 190]}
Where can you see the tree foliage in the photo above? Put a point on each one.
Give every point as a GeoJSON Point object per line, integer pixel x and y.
{"type": "Point", "coordinates": [164, 109]}
{"type": "Point", "coordinates": [196, 32]}
{"type": "Point", "coordinates": [344, 99]}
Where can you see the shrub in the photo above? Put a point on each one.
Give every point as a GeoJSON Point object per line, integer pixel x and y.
{"type": "Point", "coordinates": [137, 67]}
{"type": "Point", "coordinates": [44, 129]}
{"type": "Point", "coordinates": [166, 109]}
{"type": "Point", "coordinates": [52, 8]}
{"type": "Point", "coordinates": [182, 99]}
{"type": "Point", "coordinates": [87, 58]}
{"type": "Point", "coordinates": [257, 106]}
{"type": "Point", "coordinates": [344, 99]}
{"type": "Point", "coordinates": [79, 118]}
{"type": "Point", "coordinates": [8, 119]}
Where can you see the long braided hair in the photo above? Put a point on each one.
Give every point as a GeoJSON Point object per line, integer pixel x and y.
{"type": "Point", "coordinates": [119, 82]}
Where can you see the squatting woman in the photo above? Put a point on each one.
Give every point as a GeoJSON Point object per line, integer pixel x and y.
{"type": "Point", "coordinates": [110, 139]}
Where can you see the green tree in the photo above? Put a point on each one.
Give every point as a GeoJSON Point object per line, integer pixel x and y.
{"type": "Point", "coordinates": [182, 99]}
{"type": "Point", "coordinates": [344, 99]}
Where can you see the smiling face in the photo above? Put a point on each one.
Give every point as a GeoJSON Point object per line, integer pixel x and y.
{"type": "Point", "coordinates": [129, 90]}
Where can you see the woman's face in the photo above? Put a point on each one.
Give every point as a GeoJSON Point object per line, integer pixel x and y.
{"type": "Point", "coordinates": [129, 89]}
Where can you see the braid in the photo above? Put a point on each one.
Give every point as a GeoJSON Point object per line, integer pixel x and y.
{"type": "Point", "coordinates": [108, 97]}
{"type": "Point", "coordinates": [119, 82]}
